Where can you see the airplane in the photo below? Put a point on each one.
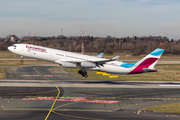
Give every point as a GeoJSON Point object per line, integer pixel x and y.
{"type": "Point", "coordinates": [85, 62]}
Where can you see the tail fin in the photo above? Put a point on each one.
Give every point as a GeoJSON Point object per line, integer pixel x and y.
{"type": "Point", "coordinates": [147, 63]}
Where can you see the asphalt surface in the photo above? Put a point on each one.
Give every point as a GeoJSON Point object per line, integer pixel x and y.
{"type": "Point", "coordinates": [58, 101]}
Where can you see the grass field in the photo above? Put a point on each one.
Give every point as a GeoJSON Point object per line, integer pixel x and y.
{"type": "Point", "coordinates": [2, 73]}
{"type": "Point", "coordinates": [166, 108]}
{"type": "Point", "coordinates": [7, 54]}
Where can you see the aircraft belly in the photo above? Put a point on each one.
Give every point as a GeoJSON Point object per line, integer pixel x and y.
{"type": "Point", "coordinates": [115, 69]}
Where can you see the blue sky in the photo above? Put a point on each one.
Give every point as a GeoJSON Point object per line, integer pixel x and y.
{"type": "Point", "coordinates": [118, 18]}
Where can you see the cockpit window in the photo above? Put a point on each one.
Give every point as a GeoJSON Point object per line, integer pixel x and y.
{"type": "Point", "coordinates": [14, 45]}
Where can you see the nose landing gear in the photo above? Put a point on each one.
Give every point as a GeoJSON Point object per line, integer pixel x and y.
{"type": "Point", "coordinates": [21, 59]}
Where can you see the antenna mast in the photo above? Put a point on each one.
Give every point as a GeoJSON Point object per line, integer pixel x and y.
{"type": "Point", "coordinates": [161, 34]}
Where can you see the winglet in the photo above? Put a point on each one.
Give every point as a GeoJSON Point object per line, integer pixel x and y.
{"type": "Point", "coordinates": [115, 58]}
{"type": "Point", "coordinates": [106, 60]}
{"type": "Point", "coordinates": [100, 55]}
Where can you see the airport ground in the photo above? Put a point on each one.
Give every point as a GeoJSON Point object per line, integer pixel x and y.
{"type": "Point", "coordinates": [34, 91]}
{"type": "Point", "coordinates": [49, 92]}
{"type": "Point", "coordinates": [169, 70]}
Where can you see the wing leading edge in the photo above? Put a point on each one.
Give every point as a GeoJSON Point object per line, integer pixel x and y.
{"type": "Point", "coordinates": [84, 64]}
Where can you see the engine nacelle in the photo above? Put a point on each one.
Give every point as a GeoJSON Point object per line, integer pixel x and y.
{"type": "Point", "coordinates": [68, 65]}
{"type": "Point", "coordinates": [88, 64]}
{"type": "Point", "coordinates": [150, 70]}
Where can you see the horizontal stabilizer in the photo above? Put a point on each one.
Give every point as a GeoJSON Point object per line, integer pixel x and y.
{"type": "Point", "coordinates": [150, 70]}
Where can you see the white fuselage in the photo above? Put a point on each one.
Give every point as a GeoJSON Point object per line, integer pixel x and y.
{"type": "Point", "coordinates": [57, 56]}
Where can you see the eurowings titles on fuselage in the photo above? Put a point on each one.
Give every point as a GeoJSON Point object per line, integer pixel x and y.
{"type": "Point", "coordinates": [86, 62]}
{"type": "Point", "coordinates": [35, 48]}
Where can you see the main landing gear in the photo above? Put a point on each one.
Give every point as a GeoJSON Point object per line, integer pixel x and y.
{"type": "Point", "coordinates": [83, 73]}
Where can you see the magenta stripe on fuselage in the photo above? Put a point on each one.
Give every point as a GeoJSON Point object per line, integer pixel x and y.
{"type": "Point", "coordinates": [144, 64]}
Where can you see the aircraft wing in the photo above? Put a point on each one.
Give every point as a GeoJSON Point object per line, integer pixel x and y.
{"type": "Point", "coordinates": [68, 62]}
{"type": "Point", "coordinates": [96, 61]}
{"type": "Point", "coordinates": [106, 60]}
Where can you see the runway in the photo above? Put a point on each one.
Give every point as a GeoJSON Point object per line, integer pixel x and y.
{"type": "Point", "coordinates": [62, 95]}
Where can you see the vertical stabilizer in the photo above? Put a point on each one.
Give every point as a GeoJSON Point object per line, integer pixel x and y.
{"type": "Point", "coordinates": [147, 63]}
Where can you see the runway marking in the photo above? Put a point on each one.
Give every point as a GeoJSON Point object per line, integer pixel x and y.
{"type": "Point", "coordinates": [169, 85]}
{"type": "Point", "coordinates": [149, 93]}
{"type": "Point", "coordinates": [122, 91]}
{"type": "Point", "coordinates": [41, 74]}
{"type": "Point", "coordinates": [62, 110]}
{"type": "Point", "coordinates": [55, 109]}
{"type": "Point", "coordinates": [56, 96]}
{"type": "Point", "coordinates": [29, 109]}
{"type": "Point", "coordinates": [53, 75]}
{"type": "Point", "coordinates": [75, 116]}
{"type": "Point", "coordinates": [52, 110]}
{"type": "Point", "coordinates": [73, 99]}
{"type": "Point", "coordinates": [61, 105]}
{"type": "Point", "coordinates": [30, 93]}
{"type": "Point", "coordinates": [152, 98]}
{"type": "Point", "coordinates": [53, 103]}
{"type": "Point", "coordinates": [31, 75]}
{"type": "Point", "coordinates": [86, 99]}
{"type": "Point", "coordinates": [65, 105]}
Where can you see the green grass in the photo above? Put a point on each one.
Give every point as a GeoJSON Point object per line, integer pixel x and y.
{"type": "Point", "coordinates": [2, 73]}
{"type": "Point", "coordinates": [2, 70]}
{"type": "Point", "coordinates": [8, 54]}
{"type": "Point", "coordinates": [167, 108]}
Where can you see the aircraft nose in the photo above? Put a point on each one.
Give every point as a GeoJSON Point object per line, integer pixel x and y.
{"type": "Point", "coordinates": [10, 48]}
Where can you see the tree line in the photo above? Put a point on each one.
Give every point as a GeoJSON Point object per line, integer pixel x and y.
{"type": "Point", "coordinates": [108, 45]}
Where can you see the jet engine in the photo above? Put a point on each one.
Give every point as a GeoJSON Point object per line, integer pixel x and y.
{"type": "Point", "coordinates": [88, 64]}
{"type": "Point", "coordinates": [68, 65]}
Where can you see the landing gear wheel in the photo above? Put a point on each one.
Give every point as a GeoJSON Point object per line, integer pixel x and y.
{"type": "Point", "coordinates": [85, 76]}
{"type": "Point", "coordinates": [83, 73]}
{"type": "Point", "coordinates": [21, 59]}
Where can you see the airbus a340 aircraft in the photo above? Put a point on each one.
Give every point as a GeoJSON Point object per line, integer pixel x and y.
{"type": "Point", "coordinates": [85, 62]}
